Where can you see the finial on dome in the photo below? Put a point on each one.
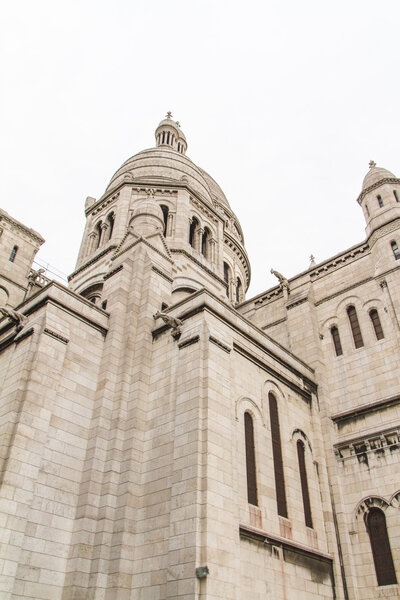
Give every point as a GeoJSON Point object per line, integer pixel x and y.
{"type": "Point", "coordinates": [169, 115]}
{"type": "Point", "coordinates": [372, 164]}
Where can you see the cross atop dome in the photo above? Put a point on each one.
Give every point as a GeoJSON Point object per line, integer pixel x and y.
{"type": "Point", "coordinates": [169, 115]}
{"type": "Point", "coordinates": [372, 164]}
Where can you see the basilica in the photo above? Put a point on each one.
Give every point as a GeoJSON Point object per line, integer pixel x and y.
{"type": "Point", "coordinates": [165, 438]}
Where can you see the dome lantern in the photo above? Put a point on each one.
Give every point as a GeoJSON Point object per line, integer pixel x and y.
{"type": "Point", "coordinates": [169, 134]}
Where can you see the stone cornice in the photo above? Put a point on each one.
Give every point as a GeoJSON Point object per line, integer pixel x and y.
{"type": "Point", "coordinates": [240, 252]}
{"type": "Point", "coordinates": [30, 232]}
{"type": "Point", "coordinates": [200, 264]}
{"type": "Point", "coordinates": [91, 261]}
{"type": "Point", "coordinates": [364, 409]}
{"type": "Point", "coordinates": [383, 230]}
{"type": "Point", "coordinates": [98, 206]}
{"type": "Point", "coordinates": [253, 533]}
{"type": "Point", "coordinates": [375, 186]}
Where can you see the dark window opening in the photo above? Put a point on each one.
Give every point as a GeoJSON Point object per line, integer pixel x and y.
{"type": "Point", "coordinates": [204, 241]}
{"type": "Point", "coordinates": [193, 226]}
{"type": "Point", "coordinates": [277, 456]}
{"type": "Point", "coordinates": [13, 253]}
{"type": "Point", "coordinates": [304, 483]}
{"type": "Point", "coordinates": [336, 341]}
{"type": "Point", "coordinates": [355, 327]}
{"type": "Point", "coordinates": [168, 137]}
{"type": "Point", "coordinates": [250, 460]}
{"type": "Point", "coordinates": [380, 546]}
{"type": "Point", "coordinates": [361, 452]}
{"type": "Point", "coordinates": [367, 209]}
{"type": "Point", "coordinates": [395, 250]}
{"type": "Point", "coordinates": [163, 137]}
{"type": "Point", "coordinates": [110, 220]}
{"type": "Point", "coordinates": [98, 232]}
{"type": "Point", "coordinates": [104, 304]}
{"type": "Point", "coordinates": [380, 201]}
{"type": "Point", "coordinates": [226, 277]}
{"type": "Point", "coordinates": [165, 212]}
{"type": "Point", "coordinates": [396, 196]}
{"type": "Point", "coordinates": [376, 322]}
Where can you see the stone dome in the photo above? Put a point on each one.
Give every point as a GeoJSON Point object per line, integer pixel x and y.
{"type": "Point", "coordinates": [376, 174]}
{"type": "Point", "coordinates": [164, 165]}
{"type": "Point", "coordinates": [148, 207]}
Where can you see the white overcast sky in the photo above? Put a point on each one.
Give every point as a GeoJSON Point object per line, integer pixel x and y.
{"type": "Point", "coordinates": [283, 102]}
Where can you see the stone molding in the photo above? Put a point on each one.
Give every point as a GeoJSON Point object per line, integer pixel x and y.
{"type": "Point", "coordinates": [363, 409]}
{"type": "Point", "coordinates": [162, 274]}
{"type": "Point", "coordinates": [98, 206]}
{"type": "Point", "coordinates": [186, 253]}
{"type": "Point", "coordinates": [375, 186]}
{"type": "Point", "coordinates": [113, 272]}
{"type": "Point", "coordinates": [17, 225]}
{"type": "Point", "coordinates": [55, 335]}
{"type": "Point", "coordinates": [90, 262]}
{"type": "Point", "coordinates": [215, 341]}
{"type": "Point", "coordinates": [189, 342]}
{"type": "Point", "coordinates": [383, 230]}
{"type": "Point", "coordinates": [343, 291]}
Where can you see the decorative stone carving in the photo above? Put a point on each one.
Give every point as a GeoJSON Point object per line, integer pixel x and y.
{"type": "Point", "coordinates": [17, 318]}
{"type": "Point", "coordinates": [173, 322]}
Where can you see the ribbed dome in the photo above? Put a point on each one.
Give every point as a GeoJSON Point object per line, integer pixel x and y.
{"type": "Point", "coordinates": [164, 165]}
{"type": "Point", "coordinates": [376, 174]}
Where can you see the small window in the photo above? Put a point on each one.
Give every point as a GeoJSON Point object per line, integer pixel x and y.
{"type": "Point", "coordinates": [110, 221]}
{"type": "Point", "coordinates": [396, 196]}
{"type": "Point", "coordinates": [395, 250]}
{"type": "Point", "coordinates": [192, 230]}
{"type": "Point", "coordinates": [168, 137]}
{"type": "Point", "coordinates": [355, 327]}
{"type": "Point", "coordinates": [205, 241]}
{"type": "Point", "coordinates": [277, 457]}
{"type": "Point", "coordinates": [98, 234]}
{"type": "Point", "coordinates": [380, 201]}
{"type": "Point", "coordinates": [376, 322]}
{"type": "Point", "coordinates": [163, 137]}
{"type": "Point", "coordinates": [304, 483]}
{"type": "Point", "coordinates": [380, 546]}
{"type": "Point", "coordinates": [250, 460]}
{"type": "Point", "coordinates": [367, 209]}
{"type": "Point", "coordinates": [227, 277]}
{"type": "Point", "coordinates": [13, 253]}
{"type": "Point", "coordinates": [336, 341]}
{"type": "Point", "coordinates": [165, 212]}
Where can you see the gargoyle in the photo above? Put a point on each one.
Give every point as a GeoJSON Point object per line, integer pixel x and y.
{"type": "Point", "coordinates": [17, 318]}
{"type": "Point", "coordinates": [173, 322]}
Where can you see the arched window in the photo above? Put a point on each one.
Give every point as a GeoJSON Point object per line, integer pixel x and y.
{"type": "Point", "coordinates": [395, 250]}
{"type": "Point", "coordinates": [98, 230]}
{"type": "Point", "coordinates": [304, 483]}
{"type": "Point", "coordinates": [376, 322]}
{"type": "Point", "coordinates": [192, 230]}
{"type": "Point", "coordinates": [380, 546]}
{"type": "Point", "coordinates": [227, 277]}
{"type": "Point", "coordinates": [367, 209]}
{"type": "Point", "coordinates": [380, 201]}
{"type": "Point", "coordinates": [165, 212]}
{"type": "Point", "coordinates": [110, 220]}
{"type": "Point", "coordinates": [238, 290]}
{"type": "Point", "coordinates": [277, 456]}
{"type": "Point", "coordinates": [336, 340]}
{"type": "Point", "coordinates": [355, 327]}
{"type": "Point", "coordinates": [205, 238]}
{"type": "Point", "coordinates": [13, 253]}
{"type": "Point", "coordinates": [396, 195]}
{"type": "Point", "coordinates": [250, 460]}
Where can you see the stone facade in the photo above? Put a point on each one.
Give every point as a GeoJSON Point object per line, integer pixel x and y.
{"type": "Point", "coordinates": [139, 440]}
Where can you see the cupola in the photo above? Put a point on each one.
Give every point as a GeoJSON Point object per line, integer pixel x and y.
{"type": "Point", "coordinates": [380, 197]}
{"type": "Point", "coordinates": [169, 135]}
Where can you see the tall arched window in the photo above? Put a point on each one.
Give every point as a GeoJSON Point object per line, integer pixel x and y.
{"type": "Point", "coordinates": [250, 460]}
{"type": "Point", "coordinates": [110, 221]}
{"type": "Point", "coordinates": [227, 277]}
{"type": "Point", "coordinates": [98, 230]}
{"type": "Point", "coordinates": [277, 456]}
{"type": "Point", "coordinates": [304, 483]}
{"type": "Point", "coordinates": [205, 238]}
{"type": "Point", "coordinates": [395, 195]}
{"type": "Point", "coordinates": [238, 290]}
{"type": "Point", "coordinates": [395, 250]}
{"type": "Point", "coordinates": [380, 546]}
{"type": "Point", "coordinates": [376, 322]}
{"type": "Point", "coordinates": [355, 327]}
{"type": "Point", "coordinates": [165, 212]}
{"type": "Point", "coordinates": [13, 253]}
{"type": "Point", "coordinates": [336, 340]}
{"type": "Point", "coordinates": [192, 230]}
{"type": "Point", "coordinates": [380, 201]}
